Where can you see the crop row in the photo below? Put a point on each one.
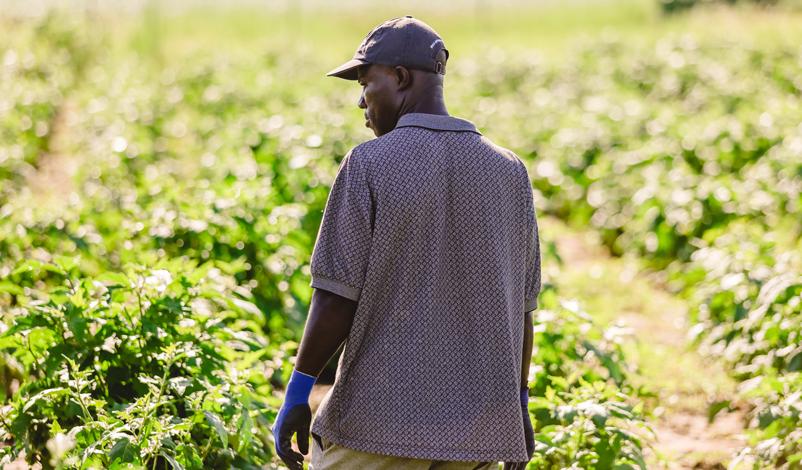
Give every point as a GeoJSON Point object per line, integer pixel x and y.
{"type": "Point", "coordinates": [748, 298]}
{"type": "Point", "coordinates": [37, 66]}
{"type": "Point", "coordinates": [168, 365]}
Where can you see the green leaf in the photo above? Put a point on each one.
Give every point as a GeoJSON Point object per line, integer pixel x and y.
{"type": "Point", "coordinates": [43, 395]}
{"type": "Point", "coordinates": [11, 288]}
{"type": "Point", "coordinates": [189, 456]}
{"type": "Point", "coordinates": [171, 460]}
{"type": "Point", "coordinates": [8, 341]}
{"type": "Point", "coordinates": [218, 425]}
{"type": "Point", "coordinates": [245, 434]}
{"type": "Point", "coordinates": [67, 263]}
{"type": "Point", "coordinates": [78, 325]}
{"type": "Point", "coordinates": [113, 278]}
{"type": "Point", "coordinates": [123, 451]}
{"type": "Point", "coordinates": [246, 306]}
{"type": "Point", "coordinates": [27, 266]}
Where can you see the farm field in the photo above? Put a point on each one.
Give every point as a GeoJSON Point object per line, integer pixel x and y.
{"type": "Point", "coordinates": [163, 176]}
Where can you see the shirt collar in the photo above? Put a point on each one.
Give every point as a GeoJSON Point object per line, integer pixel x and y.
{"type": "Point", "coordinates": [437, 122]}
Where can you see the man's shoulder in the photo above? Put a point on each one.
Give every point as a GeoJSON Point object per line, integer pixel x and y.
{"type": "Point", "coordinates": [362, 152]}
{"type": "Point", "coordinates": [370, 147]}
{"type": "Point", "coordinates": [503, 151]}
{"type": "Point", "coordinates": [375, 150]}
{"type": "Point", "coordinates": [387, 142]}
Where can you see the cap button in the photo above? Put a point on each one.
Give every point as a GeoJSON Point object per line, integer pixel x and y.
{"type": "Point", "coordinates": [408, 16]}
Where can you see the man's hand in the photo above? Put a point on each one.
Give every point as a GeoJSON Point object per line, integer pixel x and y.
{"type": "Point", "coordinates": [529, 434]}
{"type": "Point", "coordinates": [294, 417]}
{"type": "Point", "coordinates": [291, 421]}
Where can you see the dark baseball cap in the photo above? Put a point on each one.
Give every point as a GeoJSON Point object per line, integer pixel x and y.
{"type": "Point", "coordinates": [403, 41]}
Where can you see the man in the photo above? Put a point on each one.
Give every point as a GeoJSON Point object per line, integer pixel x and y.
{"type": "Point", "coordinates": [427, 265]}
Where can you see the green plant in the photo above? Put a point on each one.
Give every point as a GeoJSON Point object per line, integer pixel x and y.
{"type": "Point", "coordinates": [776, 440]}
{"type": "Point", "coordinates": [589, 426]}
{"type": "Point", "coordinates": [586, 413]}
{"type": "Point", "coordinates": [147, 368]}
{"type": "Point", "coordinates": [569, 347]}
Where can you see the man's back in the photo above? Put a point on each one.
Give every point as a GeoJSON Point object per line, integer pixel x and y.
{"type": "Point", "coordinates": [431, 228]}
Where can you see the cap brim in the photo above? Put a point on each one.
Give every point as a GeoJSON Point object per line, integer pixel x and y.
{"type": "Point", "coordinates": [347, 70]}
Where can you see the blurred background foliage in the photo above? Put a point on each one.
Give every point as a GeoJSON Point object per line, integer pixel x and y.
{"type": "Point", "coordinates": [170, 163]}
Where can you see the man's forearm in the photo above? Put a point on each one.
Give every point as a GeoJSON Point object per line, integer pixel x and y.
{"type": "Point", "coordinates": [527, 349]}
{"type": "Point", "coordinates": [328, 324]}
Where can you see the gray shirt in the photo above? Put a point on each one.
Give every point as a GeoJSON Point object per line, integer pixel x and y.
{"type": "Point", "coordinates": [431, 228]}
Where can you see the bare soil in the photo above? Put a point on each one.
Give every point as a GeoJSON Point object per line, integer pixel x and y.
{"type": "Point", "coordinates": [52, 180]}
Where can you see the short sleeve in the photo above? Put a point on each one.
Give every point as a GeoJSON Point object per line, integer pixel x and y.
{"type": "Point", "coordinates": [532, 281]}
{"type": "Point", "coordinates": [340, 255]}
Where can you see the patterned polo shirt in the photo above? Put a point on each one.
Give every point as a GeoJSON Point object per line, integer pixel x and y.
{"type": "Point", "coordinates": [431, 228]}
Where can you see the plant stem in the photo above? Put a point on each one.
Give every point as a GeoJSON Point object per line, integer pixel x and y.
{"type": "Point", "coordinates": [152, 411]}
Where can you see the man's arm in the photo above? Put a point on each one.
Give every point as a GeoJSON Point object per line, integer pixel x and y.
{"type": "Point", "coordinates": [327, 326]}
{"type": "Point", "coordinates": [529, 433]}
{"type": "Point", "coordinates": [526, 359]}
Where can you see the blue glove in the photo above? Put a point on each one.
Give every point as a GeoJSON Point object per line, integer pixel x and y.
{"type": "Point", "coordinates": [529, 433]}
{"type": "Point", "coordinates": [295, 416]}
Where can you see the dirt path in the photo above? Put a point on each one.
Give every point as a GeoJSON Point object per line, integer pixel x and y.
{"type": "Point", "coordinates": [52, 181]}
{"type": "Point", "coordinates": [685, 382]}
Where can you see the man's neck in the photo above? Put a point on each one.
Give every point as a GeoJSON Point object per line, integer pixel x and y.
{"type": "Point", "coordinates": [427, 107]}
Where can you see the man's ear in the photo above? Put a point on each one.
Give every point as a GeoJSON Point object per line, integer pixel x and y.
{"type": "Point", "coordinates": [442, 57]}
{"type": "Point", "coordinates": [403, 77]}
